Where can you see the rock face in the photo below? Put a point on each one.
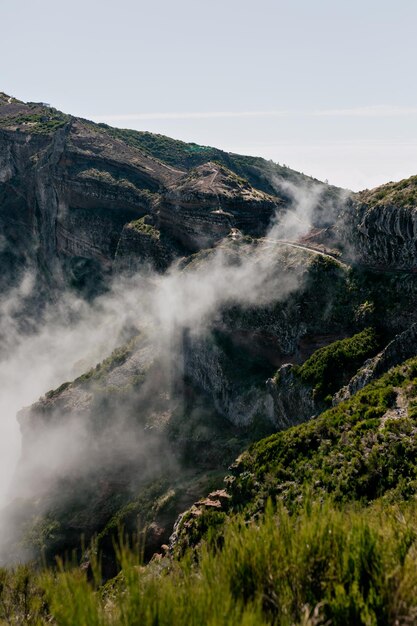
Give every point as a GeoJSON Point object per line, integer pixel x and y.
{"type": "Point", "coordinates": [68, 193]}
{"type": "Point", "coordinates": [234, 363]}
{"type": "Point", "coordinates": [142, 245]}
{"type": "Point", "coordinates": [292, 401]}
{"type": "Point", "coordinates": [72, 192]}
{"type": "Point", "coordinates": [108, 439]}
{"type": "Point", "coordinates": [209, 367]}
{"type": "Point", "coordinates": [204, 205]}
{"type": "Point", "coordinates": [386, 236]}
{"type": "Point", "coordinates": [125, 434]}
{"type": "Point", "coordinates": [381, 226]}
{"type": "Point", "coordinates": [79, 202]}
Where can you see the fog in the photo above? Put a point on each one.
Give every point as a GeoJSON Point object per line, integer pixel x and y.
{"type": "Point", "coordinates": [71, 336]}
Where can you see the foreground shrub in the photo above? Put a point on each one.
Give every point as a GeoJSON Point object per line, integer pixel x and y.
{"type": "Point", "coordinates": [327, 565]}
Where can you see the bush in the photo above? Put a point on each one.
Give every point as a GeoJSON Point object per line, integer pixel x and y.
{"type": "Point", "coordinates": [326, 565]}
{"type": "Point", "coordinates": [331, 367]}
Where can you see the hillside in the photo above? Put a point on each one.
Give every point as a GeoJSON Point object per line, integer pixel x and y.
{"type": "Point", "coordinates": [317, 559]}
{"type": "Point", "coordinates": [252, 389]}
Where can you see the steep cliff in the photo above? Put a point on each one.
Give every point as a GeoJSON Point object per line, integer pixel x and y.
{"type": "Point", "coordinates": [381, 226]}
{"type": "Point", "coordinates": [401, 348]}
{"type": "Point", "coordinates": [69, 189]}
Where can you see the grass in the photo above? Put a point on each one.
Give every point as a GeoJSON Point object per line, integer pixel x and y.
{"type": "Point", "coordinates": [325, 565]}
{"type": "Point", "coordinates": [339, 546]}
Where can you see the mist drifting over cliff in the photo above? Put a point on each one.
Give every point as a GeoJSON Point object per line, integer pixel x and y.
{"type": "Point", "coordinates": [70, 337]}
{"type": "Point", "coordinates": [84, 435]}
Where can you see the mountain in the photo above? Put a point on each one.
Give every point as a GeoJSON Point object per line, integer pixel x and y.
{"type": "Point", "coordinates": [264, 316]}
{"type": "Point", "coordinates": [77, 197]}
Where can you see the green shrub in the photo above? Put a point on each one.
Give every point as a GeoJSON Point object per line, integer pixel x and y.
{"type": "Point", "coordinates": [325, 565]}
{"type": "Point", "coordinates": [329, 368]}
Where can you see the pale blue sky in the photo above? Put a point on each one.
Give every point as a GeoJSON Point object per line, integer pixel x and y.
{"type": "Point", "coordinates": [327, 87]}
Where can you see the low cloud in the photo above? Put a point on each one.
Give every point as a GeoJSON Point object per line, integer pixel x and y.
{"type": "Point", "coordinates": [72, 336]}
{"type": "Point", "coordinates": [377, 110]}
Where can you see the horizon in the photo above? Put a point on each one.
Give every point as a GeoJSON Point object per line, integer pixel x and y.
{"type": "Point", "coordinates": [318, 88]}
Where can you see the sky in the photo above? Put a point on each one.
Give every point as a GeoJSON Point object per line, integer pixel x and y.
{"type": "Point", "coordinates": [326, 86]}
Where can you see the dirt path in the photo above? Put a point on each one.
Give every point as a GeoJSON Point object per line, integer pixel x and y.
{"type": "Point", "coordinates": [302, 246]}
{"type": "Point", "coordinates": [397, 411]}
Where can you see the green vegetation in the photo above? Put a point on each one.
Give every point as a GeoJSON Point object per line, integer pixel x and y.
{"type": "Point", "coordinates": [117, 357]}
{"type": "Point", "coordinates": [142, 226]}
{"type": "Point", "coordinates": [316, 524]}
{"type": "Point", "coordinates": [38, 123]}
{"type": "Point", "coordinates": [54, 393]}
{"type": "Point", "coordinates": [184, 155]}
{"type": "Point", "coordinates": [331, 367]}
{"type": "Point", "coordinates": [386, 298]}
{"type": "Point", "coordinates": [342, 566]}
{"type": "Point", "coordinates": [172, 151]}
{"type": "Point", "coordinates": [360, 450]}
{"type": "Point", "coordinates": [401, 194]}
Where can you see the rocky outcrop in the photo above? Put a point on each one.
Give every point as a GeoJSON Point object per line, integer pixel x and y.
{"type": "Point", "coordinates": [385, 236]}
{"type": "Point", "coordinates": [68, 194]}
{"type": "Point", "coordinates": [205, 204]}
{"type": "Point", "coordinates": [142, 245]}
{"type": "Point", "coordinates": [401, 348]}
{"type": "Point", "coordinates": [292, 400]}
{"type": "Point", "coordinates": [379, 227]}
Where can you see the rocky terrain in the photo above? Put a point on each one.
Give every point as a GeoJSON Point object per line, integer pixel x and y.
{"type": "Point", "coordinates": [70, 189]}
{"type": "Point", "coordinates": [266, 298]}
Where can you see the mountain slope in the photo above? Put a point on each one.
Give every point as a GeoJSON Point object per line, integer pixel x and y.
{"type": "Point", "coordinates": [69, 186]}
{"type": "Point", "coordinates": [259, 297]}
{"type": "Point", "coordinates": [361, 450]}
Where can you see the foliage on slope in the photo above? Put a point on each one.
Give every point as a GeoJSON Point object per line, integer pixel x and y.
{"type": "Point", "coordinates": [402, 193]}
{"type": "Point", "coordinates": [256, 170]}
{"type": "Point", "coordinates": [35, 118]}
{"type": "Point", "coordinates": [326, 565]}
{"type": "Point", "coordinates": [331, 367]}
{"type": "Point", "coordinates": [361, 450]}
